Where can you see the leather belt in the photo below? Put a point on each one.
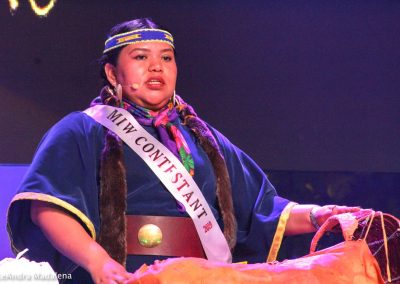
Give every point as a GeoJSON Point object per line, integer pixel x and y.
{"type": "Point", "coordinates": [179, 236]}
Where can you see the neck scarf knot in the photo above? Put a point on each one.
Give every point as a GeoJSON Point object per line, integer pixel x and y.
{"type": "Point", "coordinates": [165, 121]}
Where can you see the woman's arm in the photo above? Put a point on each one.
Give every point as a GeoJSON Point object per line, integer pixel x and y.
{"type": "Point", "coordinates": [69, 237]}
{"type": "Point", "coordinates": [299, 221]}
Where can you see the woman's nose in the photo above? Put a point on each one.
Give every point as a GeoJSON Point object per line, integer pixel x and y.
{"type": "Point", "coordinates": [155, 65]}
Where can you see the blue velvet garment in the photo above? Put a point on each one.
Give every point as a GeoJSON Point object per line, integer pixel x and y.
{"type": "Point", "coordinates": [66, 166]}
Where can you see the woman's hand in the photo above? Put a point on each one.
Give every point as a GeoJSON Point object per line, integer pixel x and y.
{"type": "Point", "coordinates": [321, 214]}
{"type": "Point", "coordinates": [301, 215]}
{"type": "Point", "coordinates": [74, 242]}
{"type": "Point", "coordinates": [107, 271]}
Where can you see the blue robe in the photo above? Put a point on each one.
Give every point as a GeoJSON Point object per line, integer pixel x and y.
{"type": "Point", "coordinates": [65, 171]}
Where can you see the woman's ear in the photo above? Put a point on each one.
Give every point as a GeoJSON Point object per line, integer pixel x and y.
{"type": "Point", "coordinates": [110, 71]}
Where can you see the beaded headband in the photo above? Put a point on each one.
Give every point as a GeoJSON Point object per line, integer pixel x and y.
{"type": "Point", "coordinates": [141, 35]}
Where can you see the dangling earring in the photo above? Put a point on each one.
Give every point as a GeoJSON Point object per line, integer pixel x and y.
{"type": "Point", "coordinates": [118, 94]}
{"type": "Point", "coordinates": [175, 99]}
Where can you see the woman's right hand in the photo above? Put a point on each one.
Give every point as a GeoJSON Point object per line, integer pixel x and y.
{"type": "Point", "coordinates": [74, 242]}
{"type": "Point", "coordinates": [107, 271]}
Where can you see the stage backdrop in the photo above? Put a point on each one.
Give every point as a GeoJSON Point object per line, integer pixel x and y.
{"type": "Point", "coordinates": [299, 85]}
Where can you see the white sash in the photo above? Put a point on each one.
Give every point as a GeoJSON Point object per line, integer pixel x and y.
{"type": "Point", "coordinates": [171, 173]}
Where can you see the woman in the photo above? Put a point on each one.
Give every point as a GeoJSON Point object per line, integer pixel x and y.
{"type": "Point", "coordinates": [87, 193]}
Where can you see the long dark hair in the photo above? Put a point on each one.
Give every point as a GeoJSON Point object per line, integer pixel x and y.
{"type": "Point", "coordinates": [128, 26]}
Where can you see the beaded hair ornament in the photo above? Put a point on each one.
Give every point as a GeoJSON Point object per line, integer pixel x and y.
{"type": "Point", "coordinates": [140, 35]}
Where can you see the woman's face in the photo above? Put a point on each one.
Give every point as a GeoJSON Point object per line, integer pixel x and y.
{"type": "Point", "coordinates": [147, 73]}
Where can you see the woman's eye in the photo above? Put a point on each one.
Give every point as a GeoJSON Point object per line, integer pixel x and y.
{"type": "Point", "coordinates": [167, 58]}
{"type": "Point", "coordinates": [140, 57]}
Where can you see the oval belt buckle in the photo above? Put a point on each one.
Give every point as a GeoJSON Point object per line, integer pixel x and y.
{"type": "Point", "coordinates": [150, 236]}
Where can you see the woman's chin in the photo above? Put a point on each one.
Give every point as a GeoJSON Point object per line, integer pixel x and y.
{"type": "Point", "coordinates": [149, 103]}
{"type": "Point", "coordinates": [154, 105]}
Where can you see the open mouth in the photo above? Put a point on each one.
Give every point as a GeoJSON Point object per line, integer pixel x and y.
{"type": "Point", "coordinates": [155, 82]}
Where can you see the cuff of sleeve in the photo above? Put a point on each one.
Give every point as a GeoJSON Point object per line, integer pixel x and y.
{"type": "Point", "coordinates": [280, 230]}
{"type": "Point", "coordinates": [63, 204]}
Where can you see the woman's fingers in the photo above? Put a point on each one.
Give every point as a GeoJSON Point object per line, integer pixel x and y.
{"type": "Point", "coordinates": [323, 213]}
{"type": "Point", "coordinates": [344, 209]}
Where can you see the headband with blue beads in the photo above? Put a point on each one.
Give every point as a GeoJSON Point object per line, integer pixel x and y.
{"type": "Point", "coordinates": [141, 35]}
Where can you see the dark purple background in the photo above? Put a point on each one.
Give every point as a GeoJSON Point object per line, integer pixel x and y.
{"type": "Point", "coordinates": [299, 85]}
